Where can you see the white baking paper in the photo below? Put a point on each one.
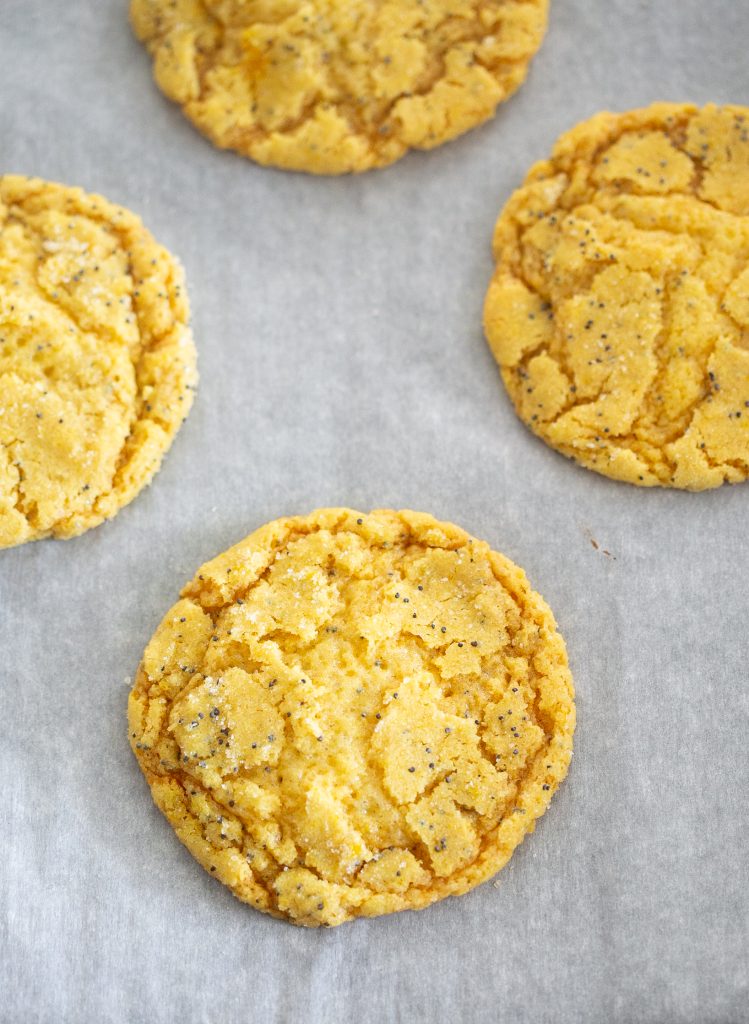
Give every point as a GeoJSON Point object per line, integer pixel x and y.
{"type": "Point", "coordinates": [342, 363]}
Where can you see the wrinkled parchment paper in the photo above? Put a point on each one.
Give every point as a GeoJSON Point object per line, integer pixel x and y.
{"type": "Point", "coordinates": [342, 362]}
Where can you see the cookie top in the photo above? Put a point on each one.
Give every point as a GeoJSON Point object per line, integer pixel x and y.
{"type": "Point", "coordinates": [338, 85]}
{"type": "Point", "coordinates": [619, 307]}
{"type": "Point", "coordinates": [97, 363]}
{"type": "Point", "coordinates": [348, 714]}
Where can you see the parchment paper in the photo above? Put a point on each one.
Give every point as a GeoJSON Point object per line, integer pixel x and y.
{"type": "Point", "coordinates": [342, 362]}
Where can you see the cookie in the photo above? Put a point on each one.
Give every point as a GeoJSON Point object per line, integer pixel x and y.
{"type": "Point", "coordinates": [348, 715]}
{"type": "Point", "coordinates": [338, 85]}
{"type": "Point", "coordinates": [619, 307]}
{"type": "Point", "coordinates": [97, 363]}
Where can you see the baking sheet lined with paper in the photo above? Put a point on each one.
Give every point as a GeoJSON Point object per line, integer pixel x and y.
{"type": "Point", "coordinates": [342, 362]}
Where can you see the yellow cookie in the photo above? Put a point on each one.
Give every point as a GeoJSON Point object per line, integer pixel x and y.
{"type": "Point", "coordinates": [332, 86]}
{"type": "Point", "coordinates": [348, 715]}
{"type": "Point", "coordinates": [97, 363]}
{"type": "Point", "coordinates": [619, 307]}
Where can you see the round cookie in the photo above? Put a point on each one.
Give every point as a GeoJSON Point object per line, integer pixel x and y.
{"type": "Point", "coordinates": [97, 363]}
{"type": "Point", "coordinates": [619, 307]}
{"type": "Point", "coordinates": [348, 715]}
{"type": "Point", "coordinates": [338, 85]}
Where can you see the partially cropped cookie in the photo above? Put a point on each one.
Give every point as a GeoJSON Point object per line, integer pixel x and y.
{"type": "Point", "coordinates": [348, 715]}
{"type": "Point", "coordinates": [338, 85]}
{"type": "Point", "coordinates": [97, 363]}
{"type": "Point", "coordinates": [619, 307]}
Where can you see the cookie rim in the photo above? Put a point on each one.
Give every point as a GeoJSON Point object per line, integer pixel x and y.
{"type": "Point", "coordinates": [499, 843]}
{"type": "Point", "coordinates": [595, 132]}
{"type": "Point", "coordinates": [128, 228]}
{"type": "Point", "coordinates": [509, 82]}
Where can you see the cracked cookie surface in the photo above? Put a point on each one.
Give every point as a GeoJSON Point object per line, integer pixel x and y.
{"type": "Point", "coordinates": [97, 363]}
{"type": "Point", "coordinates": [331, 86]}
{"type": "Point", "coordinates": [619, 307]}
{"type": "Point", "coordinates": [348, 715]}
